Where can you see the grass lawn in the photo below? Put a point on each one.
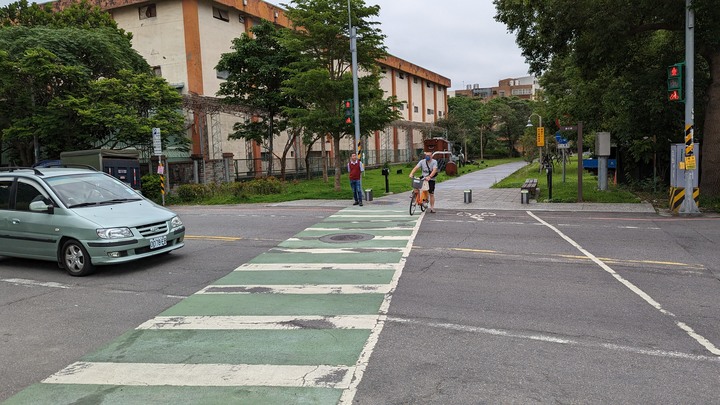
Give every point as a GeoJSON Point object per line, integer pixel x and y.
{"type": "Point", "coordinates": [317, 189]}
{"type": "Point", "coordinates": [567, 192]}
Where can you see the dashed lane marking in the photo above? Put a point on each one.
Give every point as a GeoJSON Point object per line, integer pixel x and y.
{"type": "Point", "coordinates": [261, 322]}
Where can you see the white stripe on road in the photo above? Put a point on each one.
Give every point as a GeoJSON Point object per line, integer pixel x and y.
{"type": "Point", "coordinates": [700, 339]}
{"type": "Point", "coordinates": [297, 289]}
{"type": "Point", "coordinates": [34, 283]}
{"type": "Point", "coordinates": [316, 266]}
{"type": "Point", "coordinates": [346, 229]}
{"type": "Point", "coordinates": [554, 339]}
{"type": "Point", "coordinates": [375, 238]}
{"type": "Point", "coordinates": [360, 250]}
{"type": "Point", "coordinates": [203, 375]}
{"type": "Point", "coordinates": [262, 322]}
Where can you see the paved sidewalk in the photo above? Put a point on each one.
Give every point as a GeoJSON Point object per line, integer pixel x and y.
{"type": "Point", "coordinates": [451, 195]}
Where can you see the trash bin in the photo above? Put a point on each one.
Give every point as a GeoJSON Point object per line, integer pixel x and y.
{"type": "Point", "coordinates": [468, 196]}
{"type": "Point", "coordinates": [368, 194]}
{"type": "Point", "coordinates": [524, 197]}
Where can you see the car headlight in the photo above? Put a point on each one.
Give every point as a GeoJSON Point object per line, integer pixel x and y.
{"type": "Point", "coordinates": [114, 233]}
{"type": "Point", "coordinates": [176, 222]}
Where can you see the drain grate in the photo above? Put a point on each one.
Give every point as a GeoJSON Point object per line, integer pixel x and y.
{"type": "Point", "coordinates": [346, 237]}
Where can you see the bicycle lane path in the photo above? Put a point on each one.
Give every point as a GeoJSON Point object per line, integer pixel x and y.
{"type": "Point", "coordinates": [296, 324]}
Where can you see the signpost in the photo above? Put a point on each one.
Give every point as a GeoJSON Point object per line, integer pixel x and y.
{"type": "Point", "coordinates": [157, 151]}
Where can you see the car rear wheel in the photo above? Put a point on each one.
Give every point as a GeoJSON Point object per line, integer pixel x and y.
{"type": "Point", "coordinates": [75, 259]}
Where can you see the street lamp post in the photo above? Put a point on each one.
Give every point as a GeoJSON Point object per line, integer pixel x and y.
{"type": "Point", "coordinates": [540, 125]}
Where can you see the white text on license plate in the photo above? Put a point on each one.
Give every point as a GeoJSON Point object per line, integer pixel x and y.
{"type": "Point", "coordinates": [160, 241]}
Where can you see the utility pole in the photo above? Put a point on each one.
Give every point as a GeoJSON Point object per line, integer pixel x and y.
{"type": "Point", "coordinates": [688, 206]}
{"type": "Point", "coordinates": [356, 98]}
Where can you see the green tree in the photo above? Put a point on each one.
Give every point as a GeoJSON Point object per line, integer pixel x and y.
{"type": "Point", "coordinates": [604, 63]}
{"type": "Point", "coordinates": [322, 78]}
{"type": "Point", "coordinates": [256, 70]}
{"type": "Point", "coordinates": [509, 117]}
{"type": "Point", "coordinates": [55, 79]}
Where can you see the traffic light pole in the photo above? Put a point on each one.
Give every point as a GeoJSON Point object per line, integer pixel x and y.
{"type": "Point", "coordinates": [688, 206]}
{"type": "Point", "coordinates": [356, 98]}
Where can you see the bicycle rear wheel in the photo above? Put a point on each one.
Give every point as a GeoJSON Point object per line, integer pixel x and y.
{"type": "Point", "coordinates": [413, 203]}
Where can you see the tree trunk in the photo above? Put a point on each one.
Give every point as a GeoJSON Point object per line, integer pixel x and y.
{"type": "Point", "coordinates": [710, 157]}
{"type": "Point", "coordinates": [338, 163]}
{"type": "Point", "coordinates": [324, 159]}
{"type": "Point", "coordinates": [271, 136]}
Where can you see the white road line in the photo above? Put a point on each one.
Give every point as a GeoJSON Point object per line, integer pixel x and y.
{"type": "Point", "coordinates": [348, 395]}
{"type": "Point", "coordinates": [556, 340]}
{"type": "Point", "coordinates": [375, 238]}
{"type": "Point", "coordinates": [394, 228]}
{"type": "Point", "coordinates": [373, 215]}
{"type": "Point", "coordinates": [700, 339]}
{"type": "Point", "coordinates": [203, 375]}
{"type": "Point", "coordinates": [34, 283]}
{"type": "Point", "coordinates": [261, 322]}
{"type": "Point", "coordinates": [297, 289]}
{"type": "Point", "coordinates": [324, 251]}
{"type": "Point", "coordinates": [316, 266]}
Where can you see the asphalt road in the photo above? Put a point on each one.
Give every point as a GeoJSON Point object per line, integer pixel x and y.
{"type": "Point", "coordinates": [492, 306]}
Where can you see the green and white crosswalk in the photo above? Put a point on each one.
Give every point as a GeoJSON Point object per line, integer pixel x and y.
{"type": "Point", "coordinates": [297, 324]}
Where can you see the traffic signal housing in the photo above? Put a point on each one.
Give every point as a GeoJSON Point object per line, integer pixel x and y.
{"type": "Point", "coordinates": [675, 82]}
{"type": "Point", "coordinates": [349, 112]}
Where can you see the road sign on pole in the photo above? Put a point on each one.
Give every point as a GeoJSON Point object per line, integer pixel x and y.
{"type": "Point", "coordinates": [540, 136]}
{"type": "Point", "coordinates": [157, 142]}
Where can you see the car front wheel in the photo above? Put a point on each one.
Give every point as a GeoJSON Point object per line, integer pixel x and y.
{"type": "Point", "coordinates": [75, 259]}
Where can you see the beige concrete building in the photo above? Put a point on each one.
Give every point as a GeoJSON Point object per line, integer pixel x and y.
{"type": "Point", "coordinates": [183, 41]}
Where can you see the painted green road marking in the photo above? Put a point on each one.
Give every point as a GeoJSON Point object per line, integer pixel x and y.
{"type": "Point", "coordinates": [307, 277]}
{"type": "Point", "coordinates": [278, 304]}
{"type": "Point", "coordinates": [306, 314]}
{"type": "Point", "coordinates": [276, 256]}
{"type": "Point", "coordinates": [278, 347]}
{"type": "Point", "coordinates": [365, 244]}
{"type": "Point", "coordinates": [53, 394]}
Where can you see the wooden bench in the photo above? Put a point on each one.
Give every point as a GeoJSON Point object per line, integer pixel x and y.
{"type": "Point", "coordinates": [528, 188]}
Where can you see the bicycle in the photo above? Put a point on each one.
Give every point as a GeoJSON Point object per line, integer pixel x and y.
{"type": "Point", "coordinates": [418, 197]}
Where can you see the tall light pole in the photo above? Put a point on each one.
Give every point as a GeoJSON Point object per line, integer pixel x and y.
{"type": "Point", "coordinates": [688, 205]}
{"type": "Point", "coordinates": [539, 130]}
{"type": "Point", "coordinates": [356, 98]}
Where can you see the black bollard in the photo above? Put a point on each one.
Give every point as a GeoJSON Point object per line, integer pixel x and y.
{"type": "Point", "coordinates": [549, 181]}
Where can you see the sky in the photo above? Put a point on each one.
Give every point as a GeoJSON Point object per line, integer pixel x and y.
{"type": "Point", "coordinates": [458, 39]}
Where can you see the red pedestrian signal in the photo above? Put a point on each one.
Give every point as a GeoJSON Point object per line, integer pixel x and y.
{"type": "Point", "coordinates": [675, 82]}
{"type": "Point", "coordinates": [349, 113]}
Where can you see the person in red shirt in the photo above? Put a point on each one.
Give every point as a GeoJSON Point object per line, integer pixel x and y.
{"type": "Point", "coordinates": [355, 169]}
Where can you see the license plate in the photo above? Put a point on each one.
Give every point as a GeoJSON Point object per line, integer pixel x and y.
{"type": "Point", "coordinates": [158, 242]}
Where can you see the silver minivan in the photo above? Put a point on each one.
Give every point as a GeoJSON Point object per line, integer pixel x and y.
{"type": "Point", "coordinates": [81, 218]}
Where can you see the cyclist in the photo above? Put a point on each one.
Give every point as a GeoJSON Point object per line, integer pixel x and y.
{"type": "Point", "coordinates": [429, 168]}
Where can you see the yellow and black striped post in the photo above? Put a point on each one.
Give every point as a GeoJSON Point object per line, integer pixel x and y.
{"type": "Point", "coordinates": [161, 172]}
{"type": "Point", "coordinates": [677, 196]}
{"type": "Point", "coordinates": [690, 162]}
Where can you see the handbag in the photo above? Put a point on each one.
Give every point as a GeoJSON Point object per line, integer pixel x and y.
{"type": "Point", "coordinates": [425, 186]}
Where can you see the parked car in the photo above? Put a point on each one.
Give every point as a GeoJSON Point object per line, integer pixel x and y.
{"type": "Point", "coordinates": [81, 218]}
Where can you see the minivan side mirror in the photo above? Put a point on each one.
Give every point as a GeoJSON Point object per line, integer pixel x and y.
{"type": "Point", "coordinates": [42, 206]}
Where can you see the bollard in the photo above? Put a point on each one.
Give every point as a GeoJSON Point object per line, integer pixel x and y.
{"type": "Point", "coordinates": [368, 194]}
{"type": "Point", "coordinates": [468, 196]}
{"type": "Point", "coordinates": [524, 197]}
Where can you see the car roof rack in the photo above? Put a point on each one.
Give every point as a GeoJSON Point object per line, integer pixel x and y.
{"type": "Point", "coordinates": [14, 168]}
{"type": "Point", "coordinates": [71, 166]}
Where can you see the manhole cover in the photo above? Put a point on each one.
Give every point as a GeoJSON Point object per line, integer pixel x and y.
{"type": "Point", "coordinates": [346, 237]}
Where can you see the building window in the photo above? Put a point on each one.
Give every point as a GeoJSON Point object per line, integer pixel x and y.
{"type": "Point", "coordinates": [401, 75]}
{"type": "Point", "coordinates": [416, 109]}
{"type": "Point", "coordinates": [429, 85]}
{"type": "Point", "coordinates": [148, 11]}
{"type": "Point", "coordinates": [222, 74]}
{"type": "Point", "coordinates": [220, 14]}
{"type": "Point", "coordinates": [440, 114]}
{"type": "Point", "coordinates": [241, 18]}
{"type": "Point", "coordinates": [430, 111]}
{"type": "Point", "coordinates": [157, 71]}
{"type": "Point", "coordinates": [415, 80]}
{"type": "Point", "coordinates": [402, 107]}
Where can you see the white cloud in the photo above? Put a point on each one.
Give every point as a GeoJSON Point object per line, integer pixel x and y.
{"type": "Point", "coordinates": [458, 39]}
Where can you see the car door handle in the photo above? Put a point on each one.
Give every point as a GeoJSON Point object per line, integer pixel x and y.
{"type": "Point", "coordinates": [15, 221]}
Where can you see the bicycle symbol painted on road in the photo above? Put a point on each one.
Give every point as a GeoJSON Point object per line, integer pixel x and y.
{"type": "Point", "coordinates": [478, 217]}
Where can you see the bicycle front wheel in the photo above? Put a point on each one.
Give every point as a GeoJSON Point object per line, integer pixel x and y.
{"type": "Point", "coordinates": [413, 203]}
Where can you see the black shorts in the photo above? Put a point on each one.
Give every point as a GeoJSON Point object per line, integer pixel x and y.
{"type": "Point", "coordinates": [431, 183]}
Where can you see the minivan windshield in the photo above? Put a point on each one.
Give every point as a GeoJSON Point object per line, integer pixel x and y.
{"type": "Point", "coordinates": [86, 189]}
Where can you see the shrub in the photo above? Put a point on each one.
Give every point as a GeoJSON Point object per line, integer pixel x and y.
{"type": "Point", "coordinates": [192, 192]}
{"type": "Point", "coordinates": [151, 187]}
